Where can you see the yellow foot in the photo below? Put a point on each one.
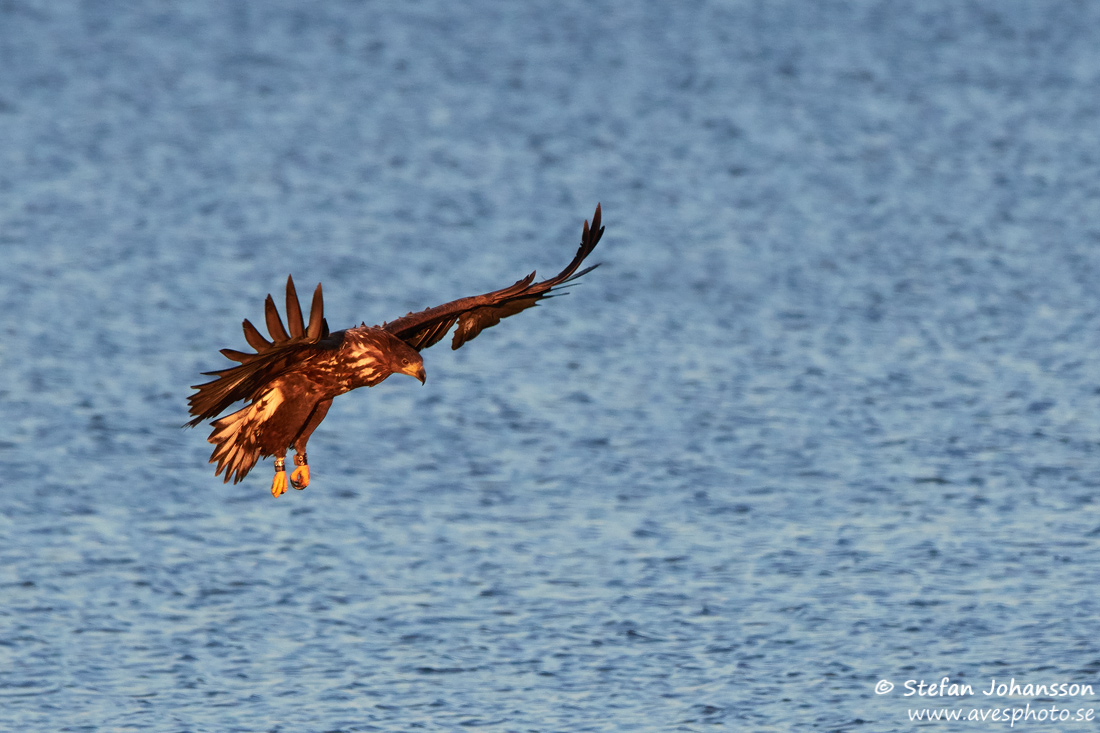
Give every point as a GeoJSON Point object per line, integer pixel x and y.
{"type": "Point", "coordinates": [299, 478]}
{"type": "Point", "coordinates": [278, 484]}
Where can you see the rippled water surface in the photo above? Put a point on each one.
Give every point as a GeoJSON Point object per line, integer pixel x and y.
{"type": "Point", "coordinates": [828, 414]}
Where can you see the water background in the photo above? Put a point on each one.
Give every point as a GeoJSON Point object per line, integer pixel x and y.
{"type": "Point", "coordinates": [828, 414]}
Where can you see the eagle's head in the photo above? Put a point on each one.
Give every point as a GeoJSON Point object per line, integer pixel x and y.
{"type": "Point", "coordinates": [406, 360]}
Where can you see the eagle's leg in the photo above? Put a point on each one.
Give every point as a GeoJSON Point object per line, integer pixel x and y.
{"type": "Point", "coordinates": [278, 484]}
{"type": "Point", "coordinates": [299, 479]}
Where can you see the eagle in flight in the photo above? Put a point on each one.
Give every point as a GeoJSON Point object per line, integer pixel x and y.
{"type": "Point", "coordinates": [289, 382]}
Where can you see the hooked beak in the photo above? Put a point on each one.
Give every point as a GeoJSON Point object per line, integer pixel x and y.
{"type": "Point", "coordinates": [419, 374]}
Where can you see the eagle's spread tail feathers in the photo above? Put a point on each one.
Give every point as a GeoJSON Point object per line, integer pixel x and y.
{"type": "Point", "coordinates": [283, 415]}
{"type": "Point", "coordinates": [236, 437]}
{"type": "Point", "coordinates": [271, 358]}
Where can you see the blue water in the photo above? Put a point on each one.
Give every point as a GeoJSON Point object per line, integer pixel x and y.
{"type": "Point", "coordinates": [828, 414]}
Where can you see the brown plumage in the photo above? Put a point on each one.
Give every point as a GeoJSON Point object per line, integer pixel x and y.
{"type": "Point", "coordinates": [289, 382]}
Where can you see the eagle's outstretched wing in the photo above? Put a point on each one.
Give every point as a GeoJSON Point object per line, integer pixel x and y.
{"type": "Point", "coordinates": [476, 313]}
{"type": "Point", "coordinates": [272, 358]}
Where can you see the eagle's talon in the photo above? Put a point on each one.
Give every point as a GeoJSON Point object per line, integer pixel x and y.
{"type": "Point", "coordinates": [299, 477]}
{"type": "Point", "coordinates": [278, 484]}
